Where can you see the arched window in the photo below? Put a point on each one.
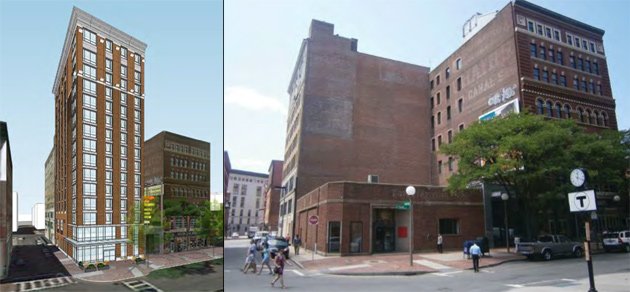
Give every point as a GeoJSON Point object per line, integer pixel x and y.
{"type": "Point", "coordinates": [558, 110]}
{"type": "Point", "coordinates": [580, 113]}
{"type": "Point", "coordinates": [539, 106]}
{"type": "Point", "coordinates": [567, 111]}
{"type": "Point", "coordinates": [594, 118]}
{"type": "Point", "coordinates": [549, 108]}
{"type": "Point", "coordinates": [600, 119]}
{"type": "Point", "coordinates": [605, 119]}
{"type": "Point", "coordinates": [587, 115]}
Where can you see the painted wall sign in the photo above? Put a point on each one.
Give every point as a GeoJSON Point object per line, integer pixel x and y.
{"type": "Point", "coordinates": [502, 96]}
{"type": "Point", "coordinates": [510, 107]}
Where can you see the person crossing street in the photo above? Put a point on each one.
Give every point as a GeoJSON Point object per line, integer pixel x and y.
{"type": "Point", "coordinates": [297, 242]}
{"type": "Point", "coordinates": [475, 251]}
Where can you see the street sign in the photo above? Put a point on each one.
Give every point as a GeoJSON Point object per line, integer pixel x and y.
{"type": "Point", "coordinates": [313, 220]}
{"type": "Point", "coordinates": [402, 206]}
{"type": "Point", "coordinates": [582, 201]}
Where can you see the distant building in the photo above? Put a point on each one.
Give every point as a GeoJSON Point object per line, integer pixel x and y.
{"type": "Point", "coordinates": [246, 200]}
{"type": "Point", "coordinates": [38, 216]}
{"type": "Point", "coordinates": [49, 185]}
{"type": "Point", "coordinates": [15, 211]}
{"type": "Point", "coordinates": [272, 196]}
{"type": "Point", "coordinates": [227, 167]}
{"type": "Point", "coordinates": [8, 202]}
{"type": "Point", "coordinates": [182, 165]}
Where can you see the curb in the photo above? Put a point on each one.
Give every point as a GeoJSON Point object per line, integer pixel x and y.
{"type": "Point", "coordinates": [297, 263]}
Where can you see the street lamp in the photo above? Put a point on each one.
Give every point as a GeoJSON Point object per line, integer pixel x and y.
{"type": "Point", "coordinates": [505, 197]}
{"type": "Point", "coordinates": [410, 190]}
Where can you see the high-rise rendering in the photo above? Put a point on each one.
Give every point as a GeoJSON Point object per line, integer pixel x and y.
{"type": "Point", "coordinates": [99, 133]}
{"type": "Point", "coordinates": [7, 223]}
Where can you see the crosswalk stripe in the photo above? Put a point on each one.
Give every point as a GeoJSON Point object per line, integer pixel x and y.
{"type": "Point", "coordinates": [298, 272]}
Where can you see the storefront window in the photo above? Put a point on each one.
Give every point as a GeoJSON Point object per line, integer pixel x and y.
{"type": "Point", "coordinates": [356, 237]}
{"type": "Point", "coordinates": [334, 234]}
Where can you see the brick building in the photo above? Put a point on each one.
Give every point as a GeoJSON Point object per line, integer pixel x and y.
{"type": "Point", "coordinates": [182, 166]}
{"type": "Point", "coordinates": [99, 132]}
{"type": "Point", "coordinates": [49, 195]}
{"type": "Point", "coordinates": [354, 116]}
{"type": "Point", "coordinates": [363, 218]}
{"type": "Point", "coordinates": [6, 201]}
{"type": "Point", "coordinates": [272, 196]}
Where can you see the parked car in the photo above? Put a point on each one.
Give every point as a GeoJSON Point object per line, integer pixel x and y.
{"type": "Point", "coordinates": [550, 246]}
{"type": "Point", "coordinates": [235, 235]}
{"type": "Point", "coordinates": [278, 244]}
{"type": "Point", "coordinates": [616, 241]}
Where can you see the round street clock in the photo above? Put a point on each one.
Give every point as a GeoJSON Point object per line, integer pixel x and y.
{"type": "Point", "coordinates": [578, 177]}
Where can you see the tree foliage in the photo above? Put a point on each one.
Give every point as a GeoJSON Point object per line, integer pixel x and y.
{"type": "Point", "coordinates": [531, 157]}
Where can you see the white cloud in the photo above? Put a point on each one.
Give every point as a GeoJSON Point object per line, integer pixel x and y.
{"type": "Point", "coordinates": [251, 99]}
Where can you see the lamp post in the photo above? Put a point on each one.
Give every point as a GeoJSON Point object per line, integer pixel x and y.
{"type": "Point", "coordinates": [410, 190]}
{"type": "Point", "coordinates": [505, 197]}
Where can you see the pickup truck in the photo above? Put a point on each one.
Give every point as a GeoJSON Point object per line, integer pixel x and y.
{"type": "Point", "coordinates": [550, 246]}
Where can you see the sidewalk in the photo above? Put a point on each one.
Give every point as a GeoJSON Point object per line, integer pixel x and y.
{"type": "Point", "coordinates": [124, 270]}
{"type": "Point", "coordinates": [397, 263]}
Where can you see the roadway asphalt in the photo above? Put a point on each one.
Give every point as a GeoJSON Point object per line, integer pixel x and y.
{"type": "Point", "coordinates": [612, 273]}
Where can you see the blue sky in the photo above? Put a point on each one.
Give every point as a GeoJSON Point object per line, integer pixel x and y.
{"type": "Point", "coordinates": [183, 74]}
{"type": "Point", "coordinates": [262, 40]}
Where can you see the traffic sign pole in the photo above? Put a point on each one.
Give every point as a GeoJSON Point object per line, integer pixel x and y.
{"type": "Point", "coordinates": [587, 254]}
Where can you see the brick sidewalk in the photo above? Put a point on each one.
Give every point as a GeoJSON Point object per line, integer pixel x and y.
{"type": "Point", "coordinates": [124, 270]}
{"type": "Point", "coordinates": [398, 263]}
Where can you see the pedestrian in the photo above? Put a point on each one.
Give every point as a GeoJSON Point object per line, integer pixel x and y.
{"type": "Point", "coordinates": [279, 269]}
{"type": "Point", "coordinates": [265, 261]}
{"type": "Point", "coordinates": [475, 251]}
{"type": "Point", "coordinates": [439, 243]}
{"type": "Point", "coordinates": [297, 242]}
{"type": "Point", "coordinates": [250, 259]}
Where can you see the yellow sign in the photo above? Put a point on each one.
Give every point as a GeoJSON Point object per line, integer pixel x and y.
{"type": "Point", "coordinates": [153, 191]}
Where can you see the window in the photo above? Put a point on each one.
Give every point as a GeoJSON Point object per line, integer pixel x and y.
{"type": "Point", "coordinates": [432, 122]}
{"type": "Point", "coordinates": [591, 87]}
{"type": "Point", "coordinates": [549, 109]}
{"type": "Point", "coordinates": [554, 78]}
{"type": "Point", "coordinates": [459, 105]}
{"type": "Point", "coordinates": [89, 116]}
{"type": "Point", "coordinates": [136, 127]}
{"type": "Point", "coordinates": [587, 66]}
{"type": "Point", "coordinates": [123, 53]}
{"type": "Point", "coordinates": [123, 100]}
{"type": "Point", "coordinates": [108, 45]}
{"type": "Point", "coordinates": [545, 76]}
{"type": "Point", "coordinates": [533, 50]}
{"type": "Point", "coordinates": [560, 58]}
{"type": "Point", "coordinates": [458, 64]}
{"type": "Point", "coordinates": [448, 112]}
{"type": "Point", "coordinates": [433, 144]}
{"type": "Point", "coordinates": [89, 37]}
{"type": "Point", "coordinates": [548, 32]}
{"type": "Point", "coordinates": [89, 218]}
{"type": "Point", "coordinates": [577, 42]}
{"type": "Point", "coordinates": [108, 106]}
{"type": "Point", "coordinates": [108, 134]}
{"type": "Point", "coordinates": [89, 203]}
{"type": "Point", "coordinates": [563, 80]}
{"type": "Point", "coordinates": [123, 84]}
{"type": "Point", "coordinates": [539, 106]}
{"type": "Point", "coordinates": [569, 39]}
{"type": "Point", "coordinates": [556, 35]}
{"type": "Point", "coordinates": [123, 111]}
{"type": "Point", "coordinates": [136, 102]}
{"type": "Point", "coordinates": [539, 29]}
{"type": "Point", "coordinates": [440, 166]}
{"type": "Point", "coordinates": [123, 151]}
{"type": "Point", "coordinates": [450, 164]}
{"type": "Point", "coordinates": [450, 136]}
{"type": "Point", "coordinates": [108, 149]}
{"type": "Point", "coordinates": [123, 204]}
{"type": "Point", "coordinates": [108, 218]}
{"type": "Point", "coordinates": [108, 93]}
{"type": "Point", "coordinates": [108, 65]}
{"type": "Point", "coordinates": [552, 55]}
{"type": "Point", "coordinates": [449, 226]}
{"type": "Point", "coordinates": [89, 86]}
{"type": "Point", "coordinates": [599, 89]}
{"type": "Point", "coordinates": [575, 83]}
{"type": "Point", "coordinates": [108, 176]}
{"type": "Point", "coordinates": [108, 121]}
{"type": "Point", "coordinates": [580, 61]}
{"type": "Point", "coordinates": [89, 189]}
{"type": "Point", "coordinates": [439, 118]}
{"type": "Point", "coordinates": [567, 111]}
{"type": "Point", "coordinates": [89, 131]}
{"type": "Point", "coordinates": [123, 217]}
{"type": "Point", "coordinates": [89, 71]}
{"type": "Point", "coordinates": [89, 101]}
{"type": "Point", "coordinates": [536, 74]}
{"type": "Point", "coordinates": [439, 140]}
{"type": "Point", "coordinates": [558, 110]}
{"type": "Point", "coordinates": [123, 71]}
{"type": "Point", "coordinates": [447, 72]}
{"type": "Point", "coordinates": [584, 44]}
{"type": "Point", "coordinates": [439, 100]}
{"type": "Point", "coordinates": [448, 92]}
{"type": "Point", "coordinates": [461, 127]}
{"type": "Point", "coordinates": [592, 47]}
{"type": "Point", "coordinates": [459, 84]}
{"type": "Point", "coordinates": [580, 113]}
{"type": "Point", "coordinates": [437, 80]}
{"type": "Point", "coordinates": [572, 61]}
{"type": "Point", "coordinates": [89, 57]}
{"type": "Point", "coordinates": [123, 125]}
{"type": "Point", "coordinates": [530, 26]}
{"type": "Point", "coordinates": [89, 145]}
{"type": "Point", "coordinates": [543, 53]}
{"type": "Point", "coordinates": [137, 59]}
{"type": "Point", "coordinates": [108, 162]}
{"type": "Point", "coordinates": [595, 67]}
{"type": "Point", "coordinates": [587, 116]}
{"type": "Point", "coordinates": [583, 85]}
{"type": "Point", "coordinates": [432, 85]}
{"type": "Point", "coordinates": [123, 164]}
{"type": "Point", "coordinates": [136, 88]}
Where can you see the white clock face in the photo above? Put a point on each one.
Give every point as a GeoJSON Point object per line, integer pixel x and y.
{"type": "Point", "coordinates": [577, 177]}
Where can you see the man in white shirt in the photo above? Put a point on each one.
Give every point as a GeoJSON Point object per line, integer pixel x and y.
{"type": "Point", "coordinates": [475, 251]}
{"type": "Point", "coordinates": [439, 243]}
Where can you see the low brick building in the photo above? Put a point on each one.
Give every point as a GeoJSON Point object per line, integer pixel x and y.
{"type": "Point", "coordinates": [364, 218]}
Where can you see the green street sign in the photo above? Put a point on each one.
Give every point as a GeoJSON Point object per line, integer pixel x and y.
{"type": "Point", "coordinates": [402, 206]}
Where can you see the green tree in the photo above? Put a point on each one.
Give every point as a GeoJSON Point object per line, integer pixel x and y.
{"type": "Point", "coordinates": [531, 157]}
{"type": "Point", "coordinates": [183, 208]}
{"type": "Point", "coordinates": [210, 222]}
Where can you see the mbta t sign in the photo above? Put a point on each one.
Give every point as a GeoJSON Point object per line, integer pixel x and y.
{"type": "Point", "coordinates": [313, 220]}
{"type": "Point", "coordinates": [582, 201]}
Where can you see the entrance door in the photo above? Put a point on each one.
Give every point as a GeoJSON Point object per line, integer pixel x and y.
{"type": "Point", "coordinates": [334, 234]}
{"type": "Point", "coordinates": [109, 252]}
{"type": "Point", "coordinates": [384, 230]}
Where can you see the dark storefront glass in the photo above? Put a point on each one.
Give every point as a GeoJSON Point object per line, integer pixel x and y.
{"type": "Point", "coordinates": [356, 237]}
{"type": "Point", "coordinates": [384, 226]}
{"type": "Point", "coordinates": [334, 234]}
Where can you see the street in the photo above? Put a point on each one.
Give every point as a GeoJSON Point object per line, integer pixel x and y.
{"type": "Point", "coordinates": [612, 273]}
